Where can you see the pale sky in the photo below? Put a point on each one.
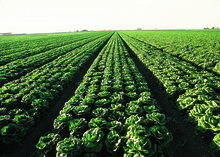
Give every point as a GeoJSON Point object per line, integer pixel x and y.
{"type": "Point", "coordinates": [40, 16]}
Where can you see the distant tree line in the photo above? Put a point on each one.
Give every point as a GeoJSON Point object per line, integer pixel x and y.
{"type": "Point", "coordinates": [211, 28]}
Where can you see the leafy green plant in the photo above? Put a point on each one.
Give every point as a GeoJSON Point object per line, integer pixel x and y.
{"type": "Point", "coordinates": [150, 109]}
{"type": "Point", "coordinates": [93, 140]}
{"type": "Point", "coordinates": [215, 144]}
{"type": "Point", "coordinates": [104, 94]}
{"type": "Point", "coordinates": [81, 110]}
{"type": "Point", "coordinates": [113, 141]}
{"type": "Point", "coordinates": [12, 133]}
{"type": "Point", "coordinates": [88, 101]}
{"type": "Point", "coordinates": [117, 97]}
{"type": "Point", "coordinates": [24, 120]}
{"type": "Point", "coordinates": [132, 96]}
{"type": "Point", "coordinates": [117, 116]}
{"type": "Point", "coordinates": [46, 143]}
{"type": "Point", "coordinates": [138, 146]}
{"type": "Point", "coordinates": [4, 120]}
{"type": "Point", "coordinates": [155, 118]}
{"type": "Point", "coordinates": [102, 103]}
{"type": "Point", "coordinates": [97, 123]}
{"type": "Point", "coordinates": [77, 127]}
{"type": "Point", "coordinates": [137, 130]}
{"type": "Point", "coordinates": [62, 121]}
{"type": "Point", "coordinates": [40, 104]}
{"type": "Point", "coordinates": [162, 135]}
{"type": "Point", "coordinates": [117, 107]}
{"type": "Point", "coordinates": [209, 122]}
{"type": "Point", "coordinates": [135, 119]}
{"type": "Point", "coordinates": [71, 146]}
{"type": "Point", "coordinates": [134, 108]}
{"type": "Point", "coordinates": [100, 112]}
{"type": "Point", "coordinates": [116, 126]}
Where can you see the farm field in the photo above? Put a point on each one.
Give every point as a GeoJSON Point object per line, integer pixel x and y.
{"type": "Point", "coordinates": [125, 93]}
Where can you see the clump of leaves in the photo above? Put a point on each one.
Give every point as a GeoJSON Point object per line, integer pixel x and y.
{"type": "Point", "coordinates": [12, 133]}
{"type": "Point", "coordinates": [138, 146]}
{"type": "Point", "coordinates": [71, 146]}
{"type": "Point", "coordinates": [46, 143]}
{"type": "Point", "coordinates": [62, 121]}
{"type": "Point", "coordinates": [155, 119]}
{"type": "Point", "coordinates": [93, 140]}
{"type": "Point", "coordinates": [24, 120]}
{"type": "Point", "coordinates": [97, 123]}
{"type": "Point", "coordinates": [100, 112]}
{"type": "Point", "coordinates": [116, 126]}
{"type": "Point", "coordinates": [81, 110]}
{"type": "Point", "coordinates": [113, 141]}
{"type": "Point", "coordinates": [162, 135]}
{"type": "Point", "coordinates": [77, 127]}
{"type": "Point", "coordinates": [135, 119]}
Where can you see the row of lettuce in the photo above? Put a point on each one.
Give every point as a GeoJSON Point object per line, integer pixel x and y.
{"type": "Point", "coordinates": [112, 112]}
{"type": "Point", "coordinates": [41, 47]}
{"type": "Point", "coordinates": [15, 44]}
{"type": "Point", "coordinates": [201, 48]}
{"type": "Point", "coordinates": [23, 101]}
{"type": "Point", "coordinates": [20, 67]}
{"type": "Point", "coordinates": [196, 91]}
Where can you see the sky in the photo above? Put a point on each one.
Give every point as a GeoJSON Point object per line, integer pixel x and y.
{"type": "Point", "coordinates": [42, 16]}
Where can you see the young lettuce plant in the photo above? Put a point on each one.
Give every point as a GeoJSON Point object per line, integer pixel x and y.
{"type": "Point", "coordinates": [162, 135]}
{"type": "Point", "coordinates": [117, 97]}
{"type": "Point", "coordinates": [117, 107]}
{"type": "Point", "coordinates": [137, 130]}
{"type": "Point", "coordinates": [151, 109]}
{"type": "Point", "coordinates": [102, 103]}
{"type": "Point", "coordinates": [209, 122]}
{"type": "Point", "coordinates": [138, 146]}
{"type": "Point", "coordinates": [215, 144]}
{"type": "Point", "coordinates": [117, 116]}
{"type": "Point", "coordinates": [93, 140]}
{"type": "Point", "coordinates": [77, 127]}
{"type": "Point", "coordinates": [100, 112]}
{"type": "Point", "coordinates": [155, 119]}
{"type": "Point", "coordinates": [40, 104]}
{"type": "Point", "coordinates": [4, 120]}
{"type": "Point", "coordinates": [46, 143]}
{"type": "Point", "coordinates": [24, 120]}
{"type": "Point", "coordinates": [62, 121]}
{"type": "Point", "coordinates": [97, 123]}
{"type": "Point", "coordinates": [81, 110]}
{"type": "Point", "coordinates": [135, 119]}
{"type": "Point", "coordinates": [116, 126]}
{"type": "Point", "coordinates": [134, 109]}
{"type": "Point", "coordinates": [12, 133]}
{"type": "Point", "coordinates": [71, 146]}
{"type": "Point", "coordinates": [113, 141]}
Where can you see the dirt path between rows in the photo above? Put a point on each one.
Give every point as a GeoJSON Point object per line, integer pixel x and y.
{"type": "Point", "coordinates": [185, 142]}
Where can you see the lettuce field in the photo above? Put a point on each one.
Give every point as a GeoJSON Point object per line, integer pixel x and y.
{"type": "Point", "coordinates": [113, 94]}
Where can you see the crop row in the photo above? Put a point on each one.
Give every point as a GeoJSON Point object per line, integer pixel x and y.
{"type": "Point", "coordinates": [200, 48]}
{"type": "Point", "coordinates": [112, 111]}
{"type": "Point", "coordinates": [14, 44]}
{"type": "Point", "coordinates": [46, 45]}
{"type": "Point", "coordinates": [196, 91]}
{"type": "Point", "coordinates": [20, 67]}
{"type": "Point", "coordinates": [24, 100]}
